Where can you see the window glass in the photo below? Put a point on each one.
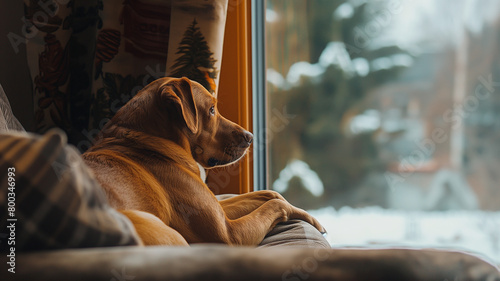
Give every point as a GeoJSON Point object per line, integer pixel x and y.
{"type": "Point", "coordinates": [383, 119]}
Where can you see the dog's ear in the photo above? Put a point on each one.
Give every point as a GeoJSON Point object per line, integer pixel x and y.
{"type": "Point", "coordinates": [180, 92]}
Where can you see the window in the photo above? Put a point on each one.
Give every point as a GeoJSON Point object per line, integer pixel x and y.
{"type": "Point", "coordinates": [383, 119]}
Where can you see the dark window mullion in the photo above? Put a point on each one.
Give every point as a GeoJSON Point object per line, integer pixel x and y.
{"type": "Point", "coordinates": [259, 95]}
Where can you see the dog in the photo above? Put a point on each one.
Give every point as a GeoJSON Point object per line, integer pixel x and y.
{"type": "Point", "coordinates": [147, 160]}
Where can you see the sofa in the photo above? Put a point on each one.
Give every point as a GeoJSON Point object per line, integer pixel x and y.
{"type": "Point", "coordinates": [64, 229]}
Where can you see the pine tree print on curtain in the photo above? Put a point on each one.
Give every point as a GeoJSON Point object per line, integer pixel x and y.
{"type": "Point", "coordinates": [196, 61]}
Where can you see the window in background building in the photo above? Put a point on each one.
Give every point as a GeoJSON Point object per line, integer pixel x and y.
{"type": "Point", "coordinates": [383, 119]}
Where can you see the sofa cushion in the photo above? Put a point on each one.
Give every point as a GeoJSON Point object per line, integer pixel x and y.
{"type": "Point", "coordinates": [55, 202]}
{"type": "Point", "coordinates": [295, 233]}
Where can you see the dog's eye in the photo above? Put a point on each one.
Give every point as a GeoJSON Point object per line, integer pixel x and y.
{"type": "Point", "coordinates": [212, 110]}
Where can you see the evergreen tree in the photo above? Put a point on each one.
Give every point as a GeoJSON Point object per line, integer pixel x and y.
{"type": "Point", "coordinates": [196, 61]}
{"type": "Point", "coordinates": [321, 103]}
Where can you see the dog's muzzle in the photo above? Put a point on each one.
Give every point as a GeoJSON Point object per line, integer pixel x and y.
{"type": "Point", "coordinates": [242, 140]}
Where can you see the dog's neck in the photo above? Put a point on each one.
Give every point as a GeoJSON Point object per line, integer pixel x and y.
{"type": "Point", "coordinates": [203, 173]}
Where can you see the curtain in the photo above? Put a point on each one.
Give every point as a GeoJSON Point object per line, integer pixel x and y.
{"type": "Point", "coordinates": [89, 57]}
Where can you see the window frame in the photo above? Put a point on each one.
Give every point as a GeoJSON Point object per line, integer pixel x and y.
{"type": "Point", "coordinates": [242, 96]}
{"type": "Point", "coordinates": [260, 156]}
{"type": "Point", "coordinates": [235, 96]}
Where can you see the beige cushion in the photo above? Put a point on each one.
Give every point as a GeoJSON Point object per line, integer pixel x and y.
{"type": "Point", "coordinates": [295, 233]}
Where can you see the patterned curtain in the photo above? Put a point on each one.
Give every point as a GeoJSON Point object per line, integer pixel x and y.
{"type": "Point", "coordinates": [89, 57]}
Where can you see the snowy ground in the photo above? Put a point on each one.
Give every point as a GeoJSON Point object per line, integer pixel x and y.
{"type": "Point", "coordinates": [477, 232]}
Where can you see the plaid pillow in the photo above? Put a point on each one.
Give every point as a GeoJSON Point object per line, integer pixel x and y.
{"type": "Point", "coordinates": [49, 199]}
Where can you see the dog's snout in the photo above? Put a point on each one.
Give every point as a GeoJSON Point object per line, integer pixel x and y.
{"type": "Point", "coordinates": [245, 138]}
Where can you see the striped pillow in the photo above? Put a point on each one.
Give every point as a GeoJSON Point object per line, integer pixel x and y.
{"type": "Point", "coordinates": [49, 199]}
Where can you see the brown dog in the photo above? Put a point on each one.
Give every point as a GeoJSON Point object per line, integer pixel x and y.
{"type": "Point", "coordinates": [146, 160]}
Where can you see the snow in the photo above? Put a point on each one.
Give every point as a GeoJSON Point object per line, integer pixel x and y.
{"type": "Point", "coordinates": [476, 232]}
{"type": "Point", "coordinates": [335, 53]}
{"type": "Point", "coordinates": [271, 15]}
{"type": "Point", "coordinates": [344, 11]}
{"type": "Point", "coordinates": [297, 168]}
{"type": "Point", "coordinates": [400, 60]}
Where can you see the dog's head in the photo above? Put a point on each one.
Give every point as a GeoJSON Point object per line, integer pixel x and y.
{"type": "Point", "coordinates": [184, 111]}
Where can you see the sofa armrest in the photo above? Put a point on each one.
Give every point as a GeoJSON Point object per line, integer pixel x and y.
{"type": "Point", "coordinates": [219, 262]}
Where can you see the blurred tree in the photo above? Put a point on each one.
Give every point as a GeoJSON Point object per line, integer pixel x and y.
{"type": "Point", "coordinates": [319, 103]}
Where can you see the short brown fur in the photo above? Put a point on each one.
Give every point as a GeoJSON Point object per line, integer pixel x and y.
{"type": "Point", "coordinates": [146, 160]}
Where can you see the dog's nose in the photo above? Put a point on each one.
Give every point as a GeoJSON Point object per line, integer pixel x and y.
{"type": "Point", "coordinates": [246, 138]}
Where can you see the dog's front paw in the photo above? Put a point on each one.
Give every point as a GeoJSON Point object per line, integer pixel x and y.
{"type": "Point", "coordinates": [300, 214]}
